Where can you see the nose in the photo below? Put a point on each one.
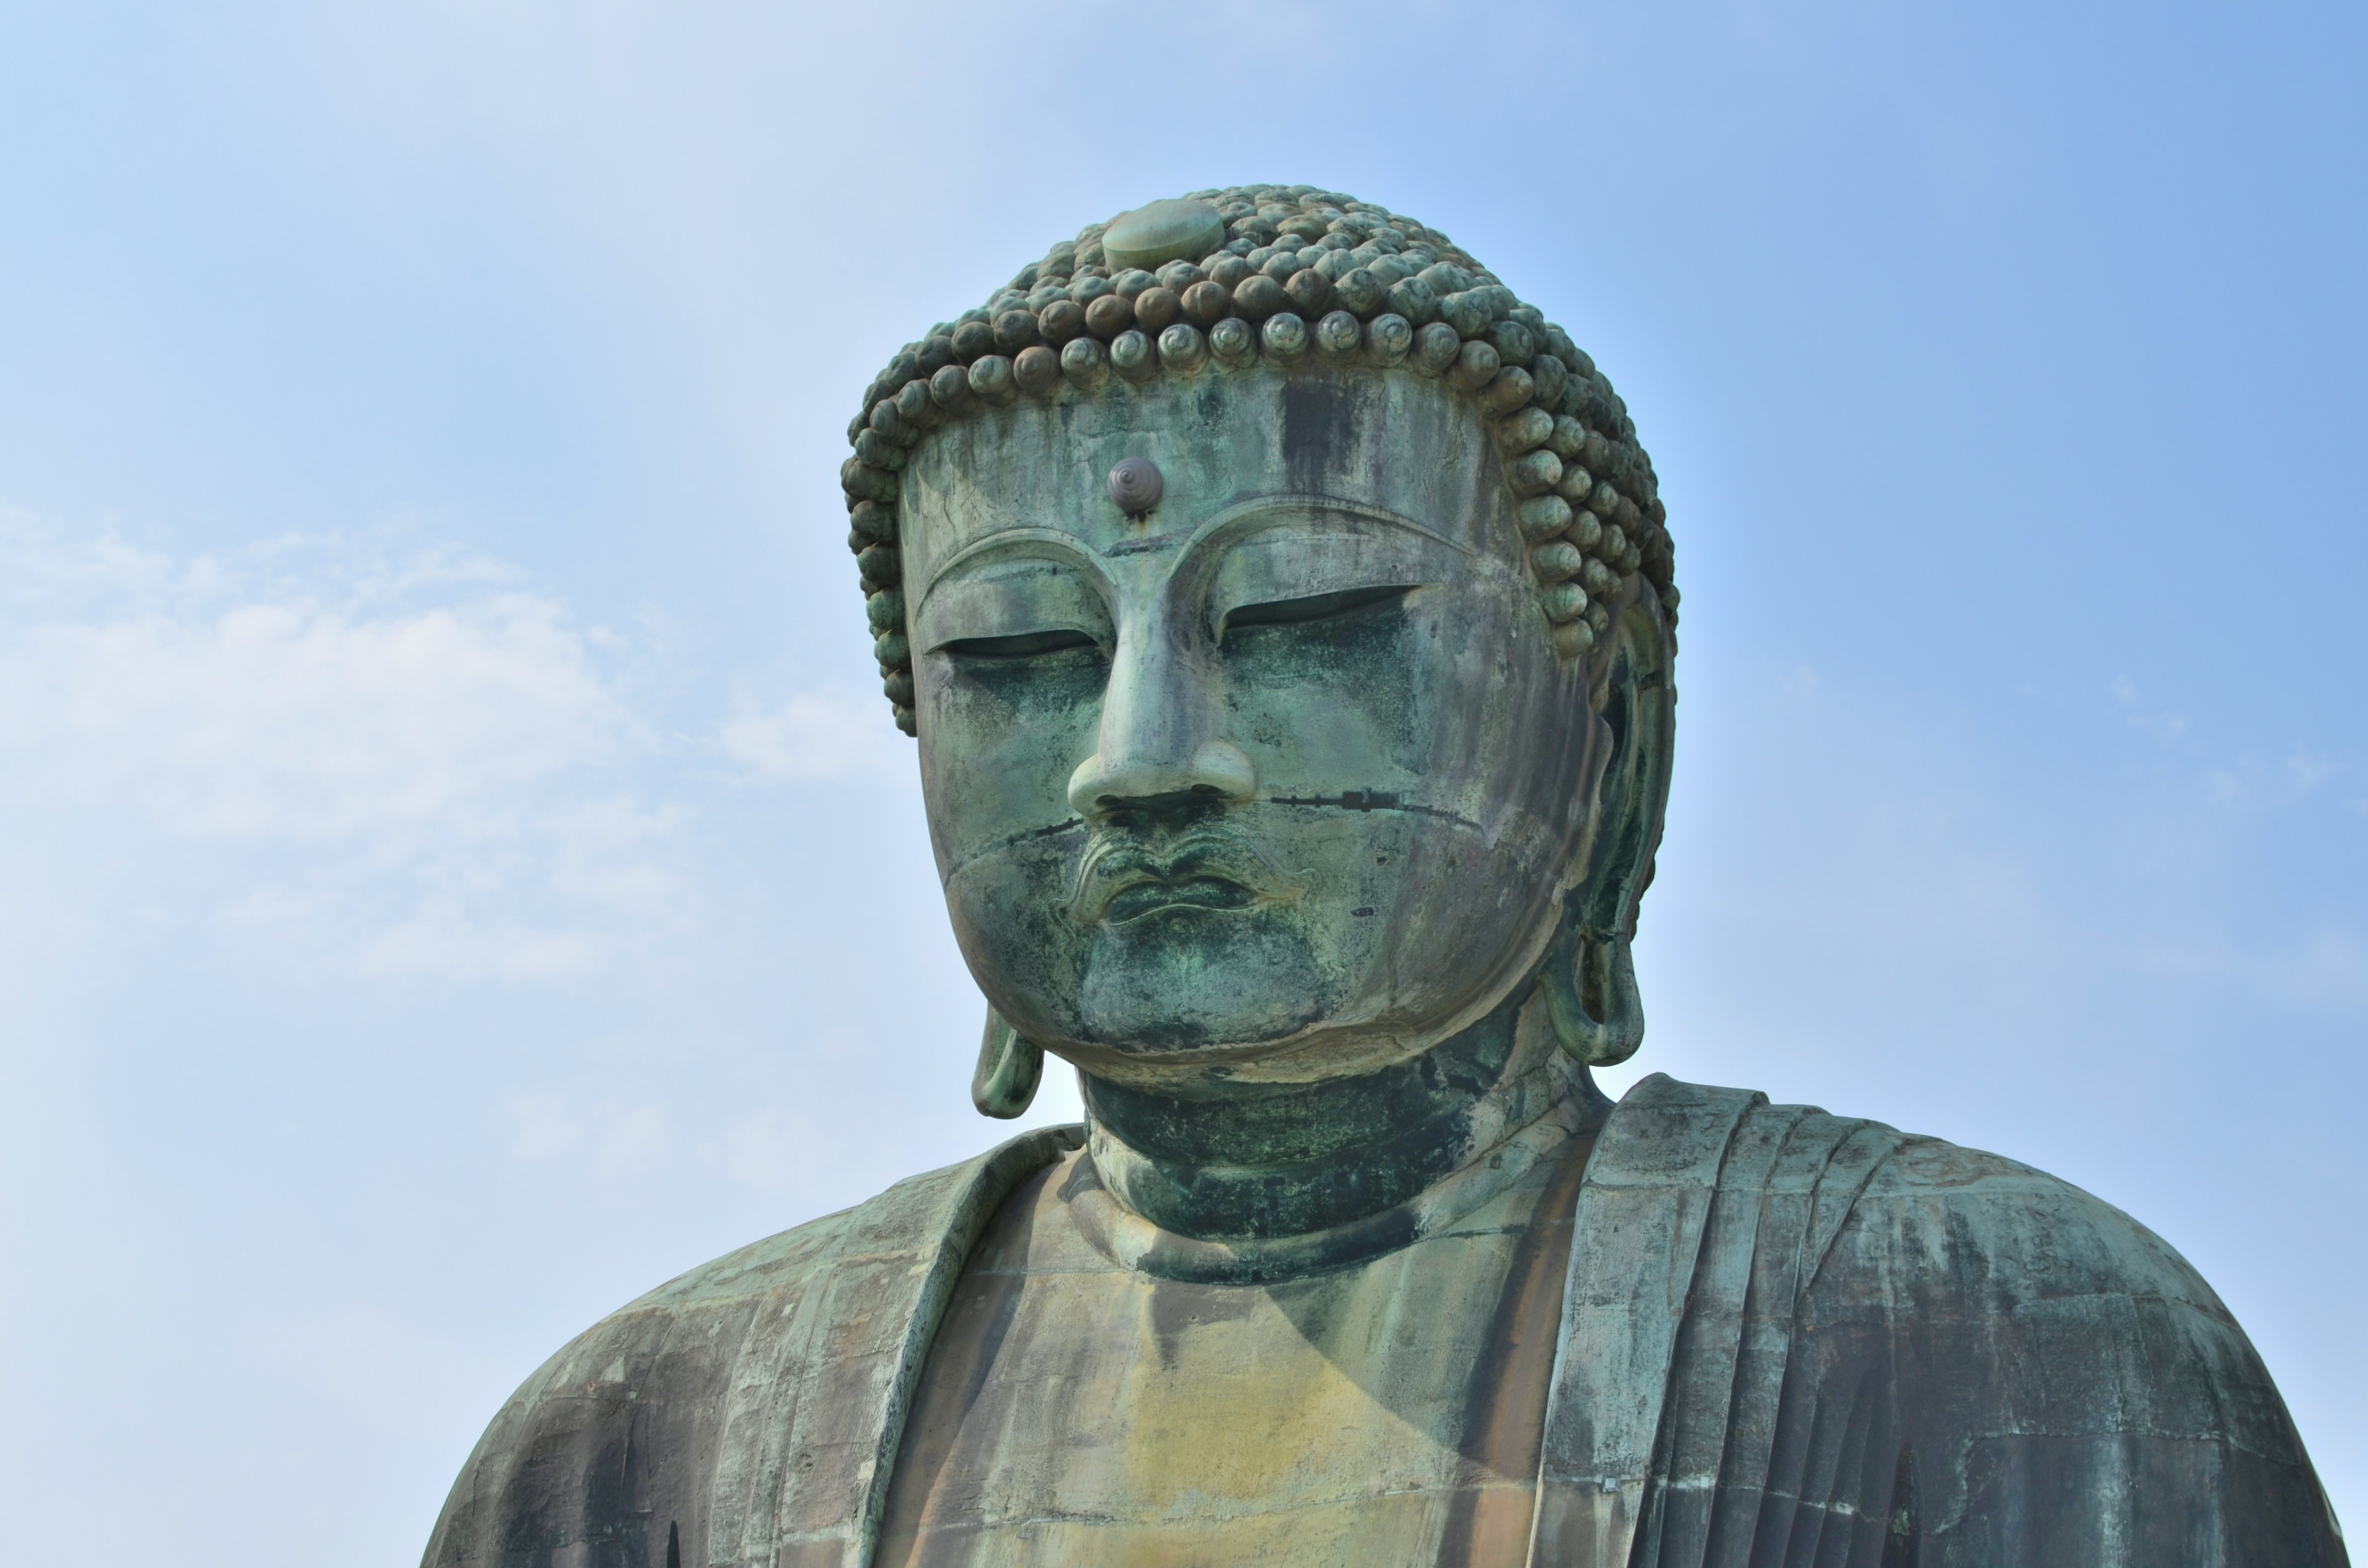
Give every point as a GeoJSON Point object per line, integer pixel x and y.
{"type": "Point", "coordinates": [1159, 747]}
{"type": "Point", "coordinates": [1217, 772]}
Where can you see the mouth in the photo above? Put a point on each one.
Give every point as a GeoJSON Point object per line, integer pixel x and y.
{"type": "Point", "coordinates": [1120, 879]}
{"type": "Point", "coordinates": [1149, 897]}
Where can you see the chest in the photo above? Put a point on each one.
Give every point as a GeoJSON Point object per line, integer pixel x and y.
{"type": "Point", "coordinates": [1072, 1411]}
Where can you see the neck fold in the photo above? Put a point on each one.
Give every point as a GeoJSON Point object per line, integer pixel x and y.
{"type": "Point", "coordinates": [1263, 1181]}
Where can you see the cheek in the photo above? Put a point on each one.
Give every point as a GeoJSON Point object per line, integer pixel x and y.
{"type": "Point", "coordinates": [988, 696]}
{"type": "Point", "coordinates": [1441, 701]}
{"type": "Point", "coordinates": [1504, 725]}
{"type": "Point", "coordinates": [1008, 909]}
{"type": "Point", "coordinates": [1330, 705]}
{"type": "Point", "coordinates": [1433, 772]}
{"type": "Point", "coordinates": [998, 745]}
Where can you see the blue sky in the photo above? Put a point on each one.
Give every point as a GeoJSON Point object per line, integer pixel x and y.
{"type": "Point", "coordinates": [458, 872]}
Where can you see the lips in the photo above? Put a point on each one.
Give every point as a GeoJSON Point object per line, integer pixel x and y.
{"type": "Point", "coordinates": [1123, 877]}
{"type": "Point", "coordinates": [1138, 899]}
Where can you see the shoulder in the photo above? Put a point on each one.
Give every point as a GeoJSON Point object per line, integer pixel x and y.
{"type": "Point", "coordinates": [1924, 1214]}
{"type": "Point", "coordinates": [625, 1423]}
{"type": "Point", "coordinates": [1975, 1270]}
{"type": "Point", "coordinates": [2022, 1303]}
{"type": "Point", "coordinates": [2056, 1367]}
{"type": "Point", "coordinates": [1947, 1223]}
{"type": "Point", "coordinates": [553, 1467]}
{"type": "Point", "coordinates": [1981, 1354]}
{"type": "Point", "coordinates": [671, 1341]}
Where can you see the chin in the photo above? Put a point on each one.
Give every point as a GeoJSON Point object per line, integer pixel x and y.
{"type": "Point", "coordinates": [1185, 981]}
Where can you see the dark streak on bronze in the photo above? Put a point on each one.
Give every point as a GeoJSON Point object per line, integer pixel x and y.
{"type": "Point", "coordinates": [970, 1341]}
{"type": "Point", "coordinates": [1373, 800]}
{"type": "Point", "coordinates": [1488, 1523]}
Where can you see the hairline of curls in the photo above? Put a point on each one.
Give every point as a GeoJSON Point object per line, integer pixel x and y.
{"type": "Point", "coordinates": [1379, 292]}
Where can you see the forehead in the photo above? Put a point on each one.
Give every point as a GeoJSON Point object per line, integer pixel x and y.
{"type": "Point", "coordinates": [1389, 445]}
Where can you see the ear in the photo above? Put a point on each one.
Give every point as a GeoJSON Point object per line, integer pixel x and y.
{"type": "Point", "coordinates": [1588, 979]}
{"type": "Point", "coordinates": [1008, 1070]}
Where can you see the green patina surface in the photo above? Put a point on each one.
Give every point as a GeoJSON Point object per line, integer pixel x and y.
{"type": "Point", "coordinates": [1295, 752]}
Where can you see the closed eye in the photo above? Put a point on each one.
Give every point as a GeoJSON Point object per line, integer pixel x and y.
{"type": "Point", "coordinates": [1315, 607]}
{"type": "Point", "coordinates": [1024, 645]}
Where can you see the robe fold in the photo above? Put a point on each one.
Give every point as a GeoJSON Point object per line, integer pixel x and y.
{"type": "Point", "coordinates": [1787, 1339]}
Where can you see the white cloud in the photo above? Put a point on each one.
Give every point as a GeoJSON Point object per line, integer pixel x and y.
{"type": "Point", "coordinates": [608, 1138]}
{"type": "Point", "coordinates": [2162, 724]}
{"type": "Point", "coordinates": [774, 1149]}
{"type": "Point", "coordinates": [446, 941]}
{"type": "Point", "coordinates": [2304, 773]}
{"type": "Point", "coordinates": [2253, 781]}
{"type": "Point", "coordinates": [395, 753]}
{"type": "Point", "coordinates": [2322, 967]}
{"type": "Point", "coordinates": [808, 737]}
{"type": "Point", "coordinates": [363, 1362]}
{"type": "Point", "coordinates": [276, 715]}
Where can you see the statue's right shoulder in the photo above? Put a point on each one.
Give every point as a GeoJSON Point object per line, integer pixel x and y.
{"type": "Point", "coordinates": [667, 1413]}
{"type": "Point", "coordinates": [560, 1462]}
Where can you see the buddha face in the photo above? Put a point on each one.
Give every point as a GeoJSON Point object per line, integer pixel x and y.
{"type": "Point", "coordinates": [1277, 780]}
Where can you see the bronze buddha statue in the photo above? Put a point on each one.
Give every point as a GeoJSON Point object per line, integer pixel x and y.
{"type": "Point", "coordinates": [1285, 615]}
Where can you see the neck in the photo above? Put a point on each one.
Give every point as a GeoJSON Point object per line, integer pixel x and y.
{"type": "Point", "coordinates": [1225, 1161]}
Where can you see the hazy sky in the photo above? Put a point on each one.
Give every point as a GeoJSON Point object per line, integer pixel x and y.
{"type": "Point", "coordinates": [458, 872]}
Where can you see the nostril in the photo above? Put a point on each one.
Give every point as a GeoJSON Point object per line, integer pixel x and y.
{"type": "Point", "coordinates": [1216, 772]}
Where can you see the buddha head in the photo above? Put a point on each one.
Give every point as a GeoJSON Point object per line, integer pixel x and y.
{"type": "Point", "coordinates": [1283, 613]}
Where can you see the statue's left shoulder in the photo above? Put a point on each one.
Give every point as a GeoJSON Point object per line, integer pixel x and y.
{"type": "Point", "coordinates": [2059, 1370]}
{"type": "Point", "coordinates": [1942, 1217]}
{"type": "Point", "coordinates": [1892, 1347]}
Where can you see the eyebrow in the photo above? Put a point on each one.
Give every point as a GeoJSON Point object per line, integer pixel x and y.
{"type": "Point", "coordinates": [1243, 515]}
{"type": "Point", "coordinates": [1142, 546]}
{"type": "Point", "coordinates": [1050, 543]}
{"type": "Point", "coordinates": [1250, 515]}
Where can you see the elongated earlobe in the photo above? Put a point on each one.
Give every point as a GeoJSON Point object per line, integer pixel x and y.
{"type": "Point", "coordinates": [1008, 1070]}
{"type": "Point", "coordinates": [1588, 982]}
{"type": "Point", "coordinates": [1589, 977]}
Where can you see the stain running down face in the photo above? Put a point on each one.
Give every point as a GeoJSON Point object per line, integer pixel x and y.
{"type": "Point", "coordinates": [1244, 742]}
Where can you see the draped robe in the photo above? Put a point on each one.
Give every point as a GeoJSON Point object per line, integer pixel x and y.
{"type": "Point", "coordinates": [1787, 1338]}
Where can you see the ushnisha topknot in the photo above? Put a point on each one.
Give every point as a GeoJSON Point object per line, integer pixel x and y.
{"type": "Point", "coordinates": [1288, 276]}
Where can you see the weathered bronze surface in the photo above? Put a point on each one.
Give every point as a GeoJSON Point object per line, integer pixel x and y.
{"type": "Point", "coordinates": [1288, 634]}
